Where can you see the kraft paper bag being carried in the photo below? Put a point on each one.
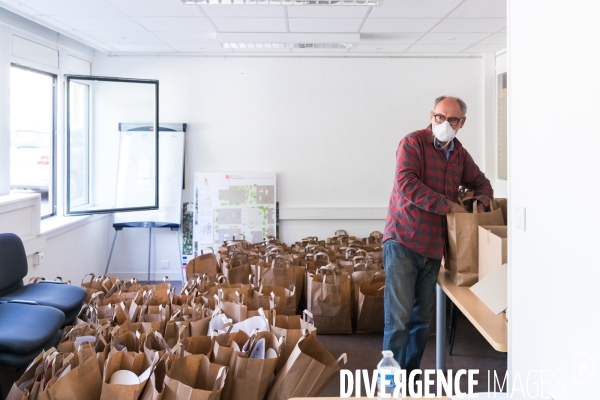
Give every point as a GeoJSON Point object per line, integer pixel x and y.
{"type": "Point", "coordinates": [370, 316]}
{"type": "Point", "coordinates": [82, 381]}
{"type": "Point", "coordinates": [203, 264]}
{"type": "Point", "coordinates": [329, 300]}
{"type": "Point", "coordinates": [194, 377]}
{"type": "Point", "coordinates": [308, 370]}
{"type": "Point", "coordinates": [462, 256]}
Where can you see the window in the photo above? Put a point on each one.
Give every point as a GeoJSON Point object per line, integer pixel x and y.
{"type": "Point", "coordinates": [32, 134]}
{"type": "Point", "coordinates": [78, 143]}
{"type": "Point", "coordinates": [111, 168]}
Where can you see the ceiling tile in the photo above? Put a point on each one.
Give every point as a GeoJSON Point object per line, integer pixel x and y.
{"type": "Point", "coordinates": [484, 48]}
{"type": "Point", "coordinates": [99, 8]}
{"type": "Point", "coordinates": [398, 25]}
{"type": "Point", "coordinates": [326, 12]}
{"type": "Point", "coordinates": [156, 8]}
{"type": "Point", "coordinates": [142, 48]}
{"type": "Point", "coordinates": [53, 22]}
{"type": "Point", "coordinates": [481, 9]}
{"type": "Point", "coordinates": [100, 23]}
{"type": "Point", "coordinates": [379, 48]}
{"type": "Point", "coordinates": [496, 38]}
{"type": "Point", "coordinates": [413, 8]}
{"type": "Point", "coordinates": [457, 38]}
{"type": "Point", "coordinates": [200, 48]}
{"type": "Point", "coordinates": [314, 50]}
{"type": "Point", "coordinates": [19, 6]}
{"type": "Point", "coordinates": [390, 38]}
{"type": "Point", "coordinates": [259, 51]}
{"type": "Point", "coordinates": [250, 24]}
{"type": "Point", "coordinates": [324, 25]}
{"type": "Point", "coordinates": [470, 25]}
{"type": "Point", "coordinates": [143, 37]}
{"type": "Point", "coordinates": [441, 48]}
{"type": "Point", "coordinates": [175, 24]}
{"type": "Point", "coordinates": [241, 11]}
{"type": "Point", "coordinates": [82, 36]}
{"type": "Point", "coordinates": [187, 38]}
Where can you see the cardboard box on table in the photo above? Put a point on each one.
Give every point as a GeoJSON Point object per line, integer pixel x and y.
{"type": "Point", "coordinates": [492, 249]}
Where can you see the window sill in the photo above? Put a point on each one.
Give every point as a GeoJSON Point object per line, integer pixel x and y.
{"type": "Point", "coordinates": [59, 224]}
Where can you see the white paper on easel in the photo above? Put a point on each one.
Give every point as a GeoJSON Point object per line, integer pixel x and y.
{"type": "Point", "coordinates": [493, 289]}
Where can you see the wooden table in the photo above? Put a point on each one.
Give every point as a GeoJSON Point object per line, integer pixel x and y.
{"type": "Point", "coordinates": [493, 327]}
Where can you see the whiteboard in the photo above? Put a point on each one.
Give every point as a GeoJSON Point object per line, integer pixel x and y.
{"type": "Point", "coordinates": [171, 139]}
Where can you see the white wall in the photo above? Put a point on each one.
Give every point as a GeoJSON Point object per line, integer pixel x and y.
{"type": "Point", "coordinates": [73, 253]}
{"type": "Point", "coordinates": [553, 64]}
{"type": "Point", "coordinates": [329, 128]}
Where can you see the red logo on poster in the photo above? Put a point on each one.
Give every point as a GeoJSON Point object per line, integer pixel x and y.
{"type": "Point", "coordinates": [227, 177]}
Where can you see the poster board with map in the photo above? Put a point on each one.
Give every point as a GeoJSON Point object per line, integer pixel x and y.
{"type": "Point", "coordinates": [230, 203]}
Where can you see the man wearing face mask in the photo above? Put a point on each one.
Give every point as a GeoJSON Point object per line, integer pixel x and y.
{"type": "Point", "coordinates": [431, 164]}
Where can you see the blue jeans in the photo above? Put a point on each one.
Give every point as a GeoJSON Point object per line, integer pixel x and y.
{"type": "Point", "coordinates": [409, 300]}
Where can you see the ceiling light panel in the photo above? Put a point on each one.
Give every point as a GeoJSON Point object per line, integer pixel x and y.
{"type": "Point", "coordinates": [285, 2]}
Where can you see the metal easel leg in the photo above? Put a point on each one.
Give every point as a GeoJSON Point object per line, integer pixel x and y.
{"type": "Point", "coordinates": [149, 251]}
{"type": "Point", "coordinates": [111, 251]}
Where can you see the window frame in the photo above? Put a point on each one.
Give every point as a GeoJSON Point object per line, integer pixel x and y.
{"type": "Point", "coordinates": [67, 129]}
{"type": "Point", "coordinates": [52, 195]}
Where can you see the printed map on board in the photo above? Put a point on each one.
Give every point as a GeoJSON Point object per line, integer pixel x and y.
{"type": "Point", "coordinates": [228, 204]}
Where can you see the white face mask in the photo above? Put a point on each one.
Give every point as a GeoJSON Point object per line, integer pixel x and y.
{"type": "Point", "coordinates": [443, 132]}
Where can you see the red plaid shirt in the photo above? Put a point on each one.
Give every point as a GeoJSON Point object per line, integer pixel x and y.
{"type": "Point", "coordinates": [424, 179]}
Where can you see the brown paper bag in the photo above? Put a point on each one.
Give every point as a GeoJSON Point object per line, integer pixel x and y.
{"type": "Point", "coordinates": [237, 268]}
{"type": "Point", "coordinates": [22, 388]}
{"type": "Point", "coordinates": [138, 363]}
{"type": "Point", "coordinates": [370, 316]}
{"type": "Point", "coordinates": [308, 370]}
{"type": "Point", "coordinates": [290, 329]}
{"type": "Point", "coordinates": [82, 382]}
{"type": "Point", "coordinates": [329, 300]}
{"type": "Point", "coordinates": [251, 376]}
{"type": "Point", "coordinates": [462, 254]}
{"type": "Point", "coordinates": [194, 377]}
{"type": "Point", "coordinates": [203, 264]}
{"type": "Point", "coordinates": [362, 273]}
{"type": "Point", "coordinates": [284, 298]}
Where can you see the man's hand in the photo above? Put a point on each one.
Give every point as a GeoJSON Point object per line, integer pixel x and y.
{"type": "Point", "coordinates": [480, 208]}
{"type": "Point", "coordinates": [455, 207]}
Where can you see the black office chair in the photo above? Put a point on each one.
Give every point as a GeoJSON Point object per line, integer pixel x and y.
{"type": "Point", "coordinates": [13, 268]}
{"type": "Point", "coordinates": [26, 330]}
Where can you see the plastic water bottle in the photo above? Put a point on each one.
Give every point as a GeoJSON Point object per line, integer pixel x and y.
{"type": "Point", "coordinates": [389, 363]}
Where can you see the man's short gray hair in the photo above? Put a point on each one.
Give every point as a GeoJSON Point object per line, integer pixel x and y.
{"type": "Point", "coordinates": [461, 103]}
